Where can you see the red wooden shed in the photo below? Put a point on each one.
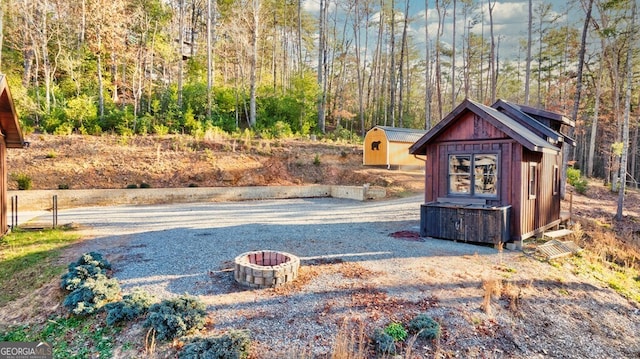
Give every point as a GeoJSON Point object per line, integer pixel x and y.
{"type": "Point", "coordinates": [492, 174]}
{"type": "Point", "coordinates": [11, 137]}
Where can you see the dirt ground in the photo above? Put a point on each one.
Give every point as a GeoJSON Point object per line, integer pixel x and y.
{"type": "Point", "coordinates": [537, 309]}
{"type": "Point", "coordinates": [82, 162]}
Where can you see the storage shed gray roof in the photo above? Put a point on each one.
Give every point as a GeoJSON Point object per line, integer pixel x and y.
{"type": "Point", "coordinates": [397, 134]}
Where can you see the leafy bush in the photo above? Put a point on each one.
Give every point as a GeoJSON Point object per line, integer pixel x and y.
{"type": "Point", "coordinates": [129, 308]}
{"type": "Point", "coordinates": [23, 180]}
{"type": "Point", "coordinates": [175, 317]}
{"type": "Point", "coordinates": [132, 186]}
{"type": "Point", "coordinates": [145, 185]}
{"type": "Point", "coordinates": [425, 327]}
{"type": "Point", "coordinates": [396, 331]}
{"type": "Point", "coordinates": [92, 294]}
{"type": "Point", "coordinates": [233, 345]}
{"type": "Point", "coordinates": [383, 342]}
{"type": "Point", "coordinates": [575, 179]}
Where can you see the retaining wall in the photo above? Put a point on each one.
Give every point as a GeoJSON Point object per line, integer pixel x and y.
{"type": "Point", "coordinates": [42, 199]}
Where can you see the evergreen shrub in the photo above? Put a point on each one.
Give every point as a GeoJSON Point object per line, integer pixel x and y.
{"type": "Point", "coordinates": [233, 345]}
{"type": "Point", "coordinates": [176, 317]}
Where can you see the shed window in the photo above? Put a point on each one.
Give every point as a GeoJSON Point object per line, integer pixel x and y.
{"type": "Point", "coordinates": [474, 175]}
{"type": "Point", "coordinates": [533, 179]}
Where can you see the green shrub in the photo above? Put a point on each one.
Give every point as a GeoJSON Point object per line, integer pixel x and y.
{"type": "Point", "coordinates": [575, 179]}
{"type": "Point", "coordinates": [396, 331]}
{"type": "Point", "coordinates": [63, 186]}
{"type": "Point", "coordinates": [176, 317]}
{"type": "Point", "coordinates": [316, 160]}
{"type": "Point", "coordinates": [145, 185]}
{"type": "Point", "coordinates": [129, 308]}
{"type": "Point", "coordinates": [23, 180]}
{"type": "Point", "coordinates": [91, 258]}
{"type": "Point", "coordinates": [92, 294]}
{"type": "Point", "coordinates": [77, 275]}
{"type": "Point", "coordinates": [424, 326]}
{"type": "Point", "coordinates": [132, 186]}
{"type": "Point", "coordinates": [383, 342]}
{"type": "Point", "coordinates": [233, 345]}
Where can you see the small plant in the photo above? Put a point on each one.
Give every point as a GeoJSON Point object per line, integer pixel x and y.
{"type": "Point", "coordinates": [575, 179]}
{"type": "Point", "coordinates": [234, 344]}
{"type": "Point", "coordinates": [396, 331]}
{"type": "Point", "coordinates": [91, 258]}
{"type": "Point", "coordinates": [316, 160]}
{"type": "Point", "coordinates": [492, 287]}
{"type": "Point", "coordinates": [132, 186]}
{"type": "Point", "coordinates": [89, 286]}
{"type": "Point", "coordinates": [145, 185]}
{"type": "Point", "coordinates": [63, 186]}
{"type": "Point", "coordinates": [24, 181]}
{"type": "Point", "coordinates": [383, 342]}
{"type": "Point", "coordinates": [176, 317]}
{"type": "Point", "coordinates": [129, 308]}
{"type": "Point", "coordinates": [424, 326]}
{"type": "Point", "coordinates": [77, 275]}
{"type": "Point", "coordinates": [92, 294]}
{"type": "Point", "coordinates": [51, 154]}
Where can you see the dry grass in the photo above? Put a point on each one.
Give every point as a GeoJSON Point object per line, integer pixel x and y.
{"type": "Point", "coordinates": [351, 342]}
{"type": "Point", "coordinates": [492, 287]}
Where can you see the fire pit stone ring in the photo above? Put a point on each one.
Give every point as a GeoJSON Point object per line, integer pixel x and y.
{"type": "Point", "coordinates": [265, 269]}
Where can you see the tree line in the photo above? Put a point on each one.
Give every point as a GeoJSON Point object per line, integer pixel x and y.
{"type": "Point", "coordinates": [182, 66]}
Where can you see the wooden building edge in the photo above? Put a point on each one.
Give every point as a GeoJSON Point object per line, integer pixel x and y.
{"type": "Point", "coordinates": [12, 137]}
{"type": "Point", "coordinates": [480, 159]}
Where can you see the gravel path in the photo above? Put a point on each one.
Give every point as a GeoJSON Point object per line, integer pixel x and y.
{"type": "Point", "coordinates": [171, 249]}
{"type": "Point", "coordinates": [354, 272]}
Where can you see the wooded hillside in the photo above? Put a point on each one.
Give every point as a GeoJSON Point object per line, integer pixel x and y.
{"type": "Point", "coordinates": [325, 66]}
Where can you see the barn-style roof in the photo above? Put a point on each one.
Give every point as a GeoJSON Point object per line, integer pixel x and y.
{"type": "Point", "coordinates": [513, 126]}
{"type": "Point", "coordinates": [398, 134]}
{"type": "Point", "coordinates": [9, 125]}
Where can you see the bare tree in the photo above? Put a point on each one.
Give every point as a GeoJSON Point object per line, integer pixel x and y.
{"type": "Point", "coordinates": [254, 61]}
{"type": "Point", "coordinates": [627, 111]}
{"type": "Point", "coordinates": [527, 72]}
{"type": "Point", "coordinates": [576, 102]}
{"type": "Point", "coordinates": [492, 55]}
{"type": "Point", "coordinates": [403, 50]}
{"type": "Point", "coordinates": [322, 60]}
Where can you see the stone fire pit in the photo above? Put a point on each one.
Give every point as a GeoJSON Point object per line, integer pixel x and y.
{"type": "Point", "coordinates": [265, 269]}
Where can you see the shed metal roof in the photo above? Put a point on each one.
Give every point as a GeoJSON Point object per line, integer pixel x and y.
{"type": "Point", "coordinates": [399, 134]}
{"type": "Point", "coordinates": [9, 125]}
{"type": "Point", "coordinates": [510, 126]}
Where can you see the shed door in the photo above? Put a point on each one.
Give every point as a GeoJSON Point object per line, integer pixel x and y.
{"type": "Point", "coordinates": [375, 148]}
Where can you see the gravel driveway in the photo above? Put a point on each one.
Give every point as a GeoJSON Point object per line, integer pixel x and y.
{"type": "Point", "coordinates": [171, 249]}
{"type": "Point", "coordinates": [353, 272]}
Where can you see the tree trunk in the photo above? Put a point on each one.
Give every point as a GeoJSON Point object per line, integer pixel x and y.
{"type": "Point", "coordinates": [594, 122]}
{"type": "Point", "coordinates": [492, 54]}
{"type": "Point", "coordinates": [209, 58]}
{"type": "Point", "coordinates": [627, 113]}
{"type": "Point", "coordinates": [392, 66]}
{"type": "Point", "coordinates": [576, 102]}
{"type": "Point", "coordinates": [427, 72]}
{"type": "Point", "coordinates": [453, 59]}
{"type": "Point", "coordinates": [254, 64]}
{"type": "Point", "coordinates": [321, 67]}
{"type": "Point", "coordinates": [180, 51]}
{"type": "Point", "coordinates": [528, 61]}
{"type": "Point", "coordinates": [402, 54]}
